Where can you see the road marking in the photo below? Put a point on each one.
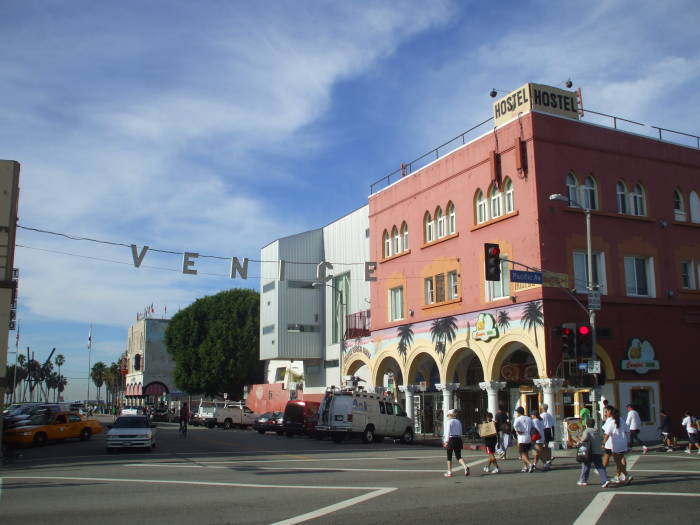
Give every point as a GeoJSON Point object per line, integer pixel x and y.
{"type": "Point", "coordinates": [595, 509]}
{"type": "Point", "coordinates": [631, 461]}
{"type": "Point", "coordinates": [203, 483]}
{"type": "Point", "coordinates": [670, 471]}
{"type": "Point", "coordinates": [335, 507]}
{"type": "Point", "coordinates": [374, 492]}
{"type": "Point", "coordinates": [370, 458]}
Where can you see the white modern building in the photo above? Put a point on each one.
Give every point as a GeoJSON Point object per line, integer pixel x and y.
{"type": "Point", "coordinates": [304, 319]}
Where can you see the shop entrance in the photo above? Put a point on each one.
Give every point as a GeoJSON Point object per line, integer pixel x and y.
{"type": "Point", "coordinates": [428, 407]}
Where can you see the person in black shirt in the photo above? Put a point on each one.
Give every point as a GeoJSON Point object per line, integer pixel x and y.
{"type": "Point", "coordinates": [665, 429]}
{"type": "Point", "coordinates": [503, 428]}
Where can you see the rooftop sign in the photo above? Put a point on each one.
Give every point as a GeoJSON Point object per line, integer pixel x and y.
{"type": "Point", "coordinates": [537, 97]}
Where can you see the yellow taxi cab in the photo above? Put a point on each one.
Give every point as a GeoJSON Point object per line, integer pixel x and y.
{"type": "Point", "coordinates": [52, 426]}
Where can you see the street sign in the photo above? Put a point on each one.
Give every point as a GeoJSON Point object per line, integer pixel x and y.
{"type": "Point", "coordinates": [593, 367]}
{"type": "Point", "coordinates": [556, 280]}
{"type": "Point", "coordinates": [519, 276]}
{"type": "Point", "coordinates": [594, 299]}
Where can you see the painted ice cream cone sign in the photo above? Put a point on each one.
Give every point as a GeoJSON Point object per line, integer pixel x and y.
{"type": "Point", "coordinates": [640, 357]}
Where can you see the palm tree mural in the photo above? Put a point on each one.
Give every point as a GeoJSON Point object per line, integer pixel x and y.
{"type": "Point", "coordinates": [503, 321]}
{"type": "Point", "coordinates": [405, 340]}
{"type": "Point", "coordinates": [443, 331]}
{"type": "Point", "coordinates": [533, 317]}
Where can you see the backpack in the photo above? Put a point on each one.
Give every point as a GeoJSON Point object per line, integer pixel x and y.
{"type": "Point", "coordinates": [583, 454]}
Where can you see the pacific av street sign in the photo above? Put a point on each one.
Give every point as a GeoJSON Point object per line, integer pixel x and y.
{"type": "Point", "coordinates": [519, 276]}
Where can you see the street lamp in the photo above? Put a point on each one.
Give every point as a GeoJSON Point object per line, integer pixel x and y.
{"type": "Point", "coordinates": [316, 284]}
{"type": "Point", "coordinates": [590, 287]}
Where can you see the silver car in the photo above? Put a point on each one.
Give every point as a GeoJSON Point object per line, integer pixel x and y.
{"type": "Point", "coordinates": [131, 432]}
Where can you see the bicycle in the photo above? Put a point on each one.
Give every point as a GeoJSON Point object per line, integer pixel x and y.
{"type": "Point", "coordinates": [183, 429]}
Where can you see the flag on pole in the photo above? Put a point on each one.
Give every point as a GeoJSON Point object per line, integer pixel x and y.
{"type": "Point", "coordinates": [90, 338]}
{"type": "Point", "coordinates": [17, 337]}
{"type": "Point", "coordinates": [165, 316]}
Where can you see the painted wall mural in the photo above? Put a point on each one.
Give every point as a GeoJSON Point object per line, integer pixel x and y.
{"type": "Point", "coordinates": [439, 334]}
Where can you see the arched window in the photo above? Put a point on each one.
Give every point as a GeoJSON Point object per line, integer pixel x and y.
{"type": "Point", "coordinates": [678, 206]}
{"type": "Point", "coordinates": [451, 219]}
{"type": "Point", "coordinates": [621, 197]}
{"type": "Point", "coordinates": [440, 221]}
{"type": "Point", "coordinates": [137, 362]}
{"type": "Point", "coordinates": [590, 190]}
{"type": "Point", "coordinates": [396, 246]}
{"type": "Point", "coordinates": [404, 235]}
{"type": "Point", "coordinates": [694, 207]}
{"type": "Point", "coordinates": [428, 227]}
{"type": "Point", "coordinates": [482, 214]}
{"type": "Point", "coordinates": [495, 200]}
{"type": "Point", "coordinates": [637, 201]}
{"type": "Point", "coordinates": [509, 198]}
{"type": "Point", "coordinates": [387, 244]}
{"type": "Point", "coordinates": [572, 189]}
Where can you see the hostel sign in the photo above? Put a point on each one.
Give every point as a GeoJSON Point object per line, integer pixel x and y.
{"type": "Point", "coordinates": [538, 97]}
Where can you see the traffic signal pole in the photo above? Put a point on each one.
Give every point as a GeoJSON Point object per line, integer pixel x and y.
{"type": "Point", "coordinates": [591, 318]}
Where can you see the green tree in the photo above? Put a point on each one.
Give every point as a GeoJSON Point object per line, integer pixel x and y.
{"type": "Point", "coordinates": [405, 340]}
{"type": "Point", "coordinates": [97, 374]}
{"type": "Point", "coordinates": [215, 343]}
{"type": "Point", "coordinates": [533, 317]}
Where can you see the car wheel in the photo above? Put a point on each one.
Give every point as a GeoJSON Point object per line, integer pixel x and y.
{"type": "Point", "coordinates": [261, 431]}
{"type": "Point", "coordinates": [211, 425]}
{"type": "Point", "coordinates": [368, 434]}
{"type": "Point", "coordinates": [407, 436]}
{"type": "Point", "coordinates": [85, 434]}
{"type": "Point", "coordinates": [337, 438]}
{"type": "Point", "coordinates": [228, 424]}
{"type": "Point", "coordinates": [290, 434]}
{"type": "Point", "coordinates": [40, 439]}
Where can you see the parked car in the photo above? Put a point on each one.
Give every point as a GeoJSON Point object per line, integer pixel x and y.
{"type": "Point", "coordinates": [52, 426]}
{"type": "Point", "coordinates": [351, 413]}
{"type": "Point", "coordinates": [131, 432]}
{"type": "Point", "coordinates": [269, 422]}
{"type": "Point", "coordinates": [301, 417]}
{"type": "Point", "coordinates": [22, 416]}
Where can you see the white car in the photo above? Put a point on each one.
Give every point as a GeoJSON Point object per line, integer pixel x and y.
{"type": "Point", "coordinates": [131, 432]}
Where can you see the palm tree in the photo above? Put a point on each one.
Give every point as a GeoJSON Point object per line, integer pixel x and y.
{"type": "Point", "coordinates": [59, 360]}
{"type": "Point", "coordinates": [405, 340]}
{"type": "Point", "coordinates": [443, 331]}
{"type": "Point", "coordinates": [98, 376]}
{"type": "Point", "coordinates": [533, 317]}
{"type": "Point", "coordinates": [61, 386]}
{"type": "Point", "coordinates": [503, 320]}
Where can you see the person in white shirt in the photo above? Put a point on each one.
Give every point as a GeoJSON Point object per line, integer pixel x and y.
{"type": "Point", "coordinates": [538, 427]}
{"type": "Point", "coordinates": [549, 424]}
{"type": "Point", "coordinates": [615, 431]}
{"type": "Point", "coordinates": [523, 426]}
{"type": "Point", "coordinates": [691, 426]}
{"type": "Point", "coordinates": [452, 441]}
{"type": "Point", "coordinates": [634, 423]}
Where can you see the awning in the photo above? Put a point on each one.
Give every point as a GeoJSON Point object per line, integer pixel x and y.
{"type": "Point", "coordinates": [155, 389]}
{"type": "Point", "coordinates": [128, 390]}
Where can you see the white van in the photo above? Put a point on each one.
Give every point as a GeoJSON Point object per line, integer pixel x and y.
{"type": "Point", "coordinates": [351, 413]}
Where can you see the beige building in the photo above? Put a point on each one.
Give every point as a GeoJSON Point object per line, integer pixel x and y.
{"type": "Point", "coordinates": [150, 369]}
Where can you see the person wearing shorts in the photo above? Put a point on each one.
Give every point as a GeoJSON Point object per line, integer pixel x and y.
{"type": "Point", "coordinates": [691, 427]}
{"type": "Point", "coordinates": [523, 428]}
{"type": "Point", "coordinates": [490, 443]}
{"type": "Point", "coordinates": [452, 441]}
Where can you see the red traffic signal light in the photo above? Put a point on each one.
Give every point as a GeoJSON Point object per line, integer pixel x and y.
{"type": "Point", "coordinates": [584, 329]}
{"type": "Point", "coordinates": [492, 255]}
{"type": "Point", "coordinates": [567, 333]}
{"type": "Point", "coordinates": [584, 340]}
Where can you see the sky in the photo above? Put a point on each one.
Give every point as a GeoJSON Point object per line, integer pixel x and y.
{"type": "Point", "coordinates": [219, 126]}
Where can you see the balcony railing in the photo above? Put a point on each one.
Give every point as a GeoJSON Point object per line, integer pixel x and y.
{"type": "Point", "coordinates": [358, 325]}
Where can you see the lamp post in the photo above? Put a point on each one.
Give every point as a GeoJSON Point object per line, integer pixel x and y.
{"type": "Point", "coordinates": [316, 284]}
{"type": "Point", "coordinates": [590, 287]}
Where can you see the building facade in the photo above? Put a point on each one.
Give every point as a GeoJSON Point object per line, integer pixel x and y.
{"type": "Point", "coordinates": [306, 316]}
{"type": "Point", "coordinates": [442, 336]}
{"type": "Point", "coordinates": [149, 377]}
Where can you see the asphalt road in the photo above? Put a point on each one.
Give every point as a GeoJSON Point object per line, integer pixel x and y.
{"type": "Point", "coordinates": [214, 476]}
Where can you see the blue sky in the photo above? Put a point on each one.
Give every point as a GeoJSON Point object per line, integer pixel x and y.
{"type": "Point", "coordinates": [219, 126]}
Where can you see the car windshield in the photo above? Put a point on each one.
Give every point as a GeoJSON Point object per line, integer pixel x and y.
{"type": "Point", "coordinates": [131, 422]}
{"type": "Point", "coordinates": [40, 419]}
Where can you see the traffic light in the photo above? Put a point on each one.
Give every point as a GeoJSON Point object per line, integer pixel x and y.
{"type": "Point", "coordinates": [493, 262]}
{"type": "Point", "coordinates": [584, 340]}
{"type": "Point", "coordinates": [567, 332]}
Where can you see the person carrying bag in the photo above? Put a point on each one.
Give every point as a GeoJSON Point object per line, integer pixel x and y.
{"type": "Point", "coordinates": [590, 453]}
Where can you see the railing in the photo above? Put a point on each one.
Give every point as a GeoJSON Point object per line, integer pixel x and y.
{"type": "Point", "coordinates": [358, 324]}
{"type": "Point", "coordinates": [434, 154]}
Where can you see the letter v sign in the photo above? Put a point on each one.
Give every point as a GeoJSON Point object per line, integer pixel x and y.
{"type": "Point", "coordinates": [138, 257]}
